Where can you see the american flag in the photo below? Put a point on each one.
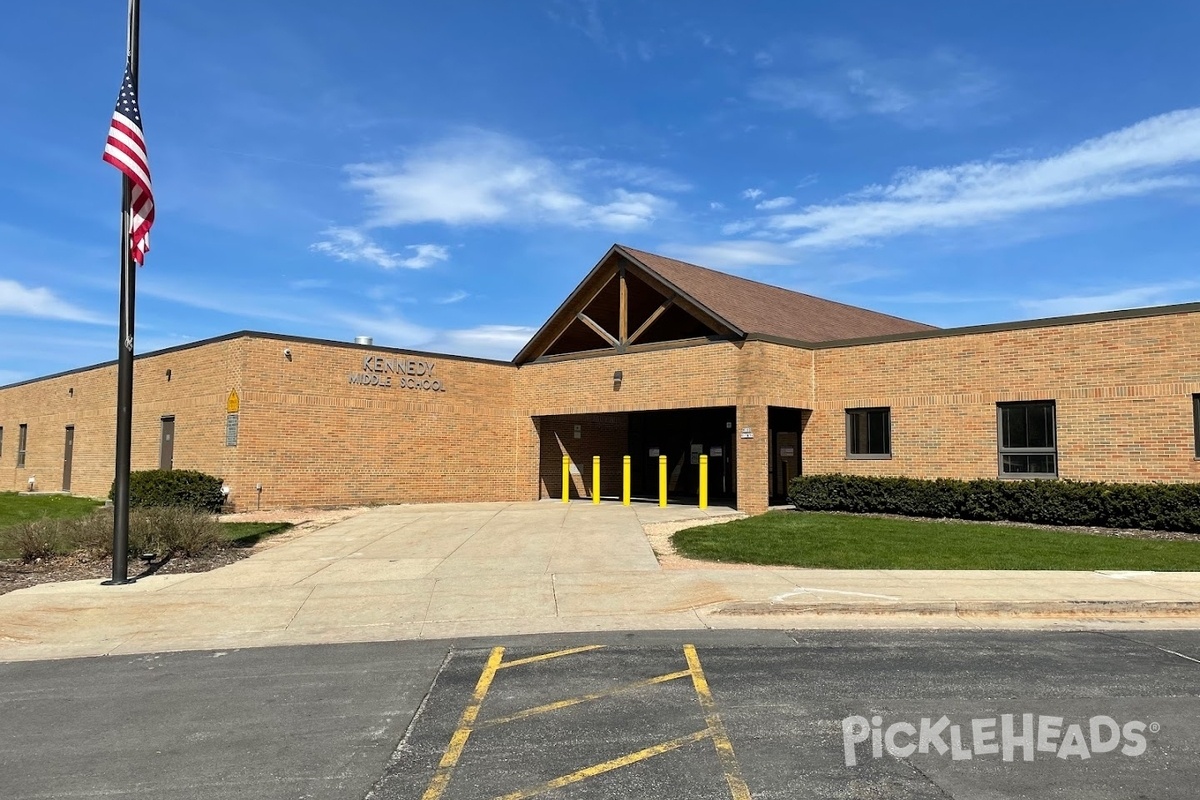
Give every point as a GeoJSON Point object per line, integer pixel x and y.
{"type": "Point", "coordinates": [126, 150]}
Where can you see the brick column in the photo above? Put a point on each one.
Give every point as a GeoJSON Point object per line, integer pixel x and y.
{"type": "Point", "coordinates": [752, 459]}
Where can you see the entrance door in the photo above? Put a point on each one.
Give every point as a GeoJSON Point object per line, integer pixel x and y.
{"type": "Point", "coordinates": [166, 449]}
{"type": "Point", "coordinates": [68, 455]}
{"type": "Point", "coordinates": [787, 461]}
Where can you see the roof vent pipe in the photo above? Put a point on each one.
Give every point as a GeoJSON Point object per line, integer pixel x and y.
{"type": "Point", "coordinates": [363, 340]}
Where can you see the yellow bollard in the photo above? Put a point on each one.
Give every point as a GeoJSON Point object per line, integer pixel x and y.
{"type": "Point", "coordinates": [566, 479]}
{"type": "Point", "coordinates": [596, 480]}
{"type": "Point", "coordinates": [662, 481]}
{"type": "Point", "coordinates": [625, 481]}
{"type": "Point", "coordinates": [703, 481]}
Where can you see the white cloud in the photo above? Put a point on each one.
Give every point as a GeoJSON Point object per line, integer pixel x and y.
{"type": "Point", "coordinates": [453, 297]}
{"type": "Point", "coordinates": [484, 341]}
{"type": "Point", "coordinates": [1153, 156]}
{"type": "Point", "coordinates": [839, 80]}
{"type": "Point", "coordinates": [349, 244]}
{"type": "Point", "coordinates": [715, 206]}
{"type": "Point", "coordinates": [1132, 297]}
{"type": "Point", "coordinates": [752, 194]}
{"type": "Point", "coordinates": [732, 254]}
{"type": "Point", "coordinates": [309, 283]}
{"type": "Point", "coordinates": [17, 300]}
{"type": "Point", "coordinates": [775, 203]}
{"type": "Point", "coordinates": [481, 178]}
{"type": "Point", "coordinates": [387, 330]}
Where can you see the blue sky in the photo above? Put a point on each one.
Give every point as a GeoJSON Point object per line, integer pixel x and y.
{"type": "Point", "coordinates": [441, 175]}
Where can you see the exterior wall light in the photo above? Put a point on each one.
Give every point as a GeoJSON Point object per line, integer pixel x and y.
{"type": "Point", "coordinates": [168, 376]}
{"type": "Point", "coordinates": [287, 353]}
{"type": "Point", "coordinates": [617, 377]}
{"type": "Point", "coordinates": [71, 391]}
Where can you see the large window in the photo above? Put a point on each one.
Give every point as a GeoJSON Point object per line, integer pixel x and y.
{"type": "Point", "coordinates": [1028, 444]}
{"type": "Point", "coordinates": [1195, 422]}
{"type": "Point", "coordinates": [22, 435]}
{"type": "Point", "coordinates": [868, 433]}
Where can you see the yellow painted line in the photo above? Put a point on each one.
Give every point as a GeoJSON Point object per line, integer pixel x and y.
{"type": "Point", "coordinates": [459, 740]}
{"type": "Point", "coordinates": [586, 698]}
{"type": "Point", "coordinates": [547, 656]}
{"type": "Point", "coordinates": [607, 766]}
{"type": "Point", "coordinates": [720, 737]}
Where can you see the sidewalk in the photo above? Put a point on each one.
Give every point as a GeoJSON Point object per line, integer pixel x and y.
{"type": "Point", "coordinates": [441, 571]}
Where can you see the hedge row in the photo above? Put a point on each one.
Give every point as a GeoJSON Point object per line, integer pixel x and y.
{"type": "Point", "coordinates": [1150, 506]}
{"type": "Point", "coordinates": [174, 488]}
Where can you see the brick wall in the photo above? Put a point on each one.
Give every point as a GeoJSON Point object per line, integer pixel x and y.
{"type": "Point", "coordinates": [1122, 390]}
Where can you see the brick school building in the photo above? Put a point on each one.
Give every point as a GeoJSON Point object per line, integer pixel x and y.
{"type": "Point", "coordinates": [648, 356]}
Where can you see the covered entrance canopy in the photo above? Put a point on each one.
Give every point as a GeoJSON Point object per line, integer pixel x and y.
{"type": "Point", "coordinates": [682, 435]}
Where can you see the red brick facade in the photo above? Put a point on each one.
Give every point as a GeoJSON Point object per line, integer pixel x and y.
{"type": "Point", "coordinates": [311, 434]}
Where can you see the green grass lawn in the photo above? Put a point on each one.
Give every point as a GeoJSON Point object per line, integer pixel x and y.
{"type": "Point", "coordinates": [248, 534]}
{"type": "Point", "coordinates": [15, 508]}
{"type": "Point", "coordinates": [836, 541]}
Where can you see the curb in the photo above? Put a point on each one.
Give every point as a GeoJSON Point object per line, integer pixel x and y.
{"type": "Point", "coordinates": [1036, 609]}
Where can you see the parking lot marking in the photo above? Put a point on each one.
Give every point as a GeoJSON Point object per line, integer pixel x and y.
{"type": "Point", "coordinates": [714, 730]}
{"type": "Point", "coordinates": [586, 698]}
{"type": "Point", "coordinates": [720, 737]}
{"type": "Point", "coordinates": [459, 740]}
{"type": "Point", "coordinates": [607, 766]}
{"type": "Point", "coordinates": [547, 656]}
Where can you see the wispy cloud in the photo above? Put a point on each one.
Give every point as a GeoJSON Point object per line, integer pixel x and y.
{"type": "Point", "coordinates": [309, 283]}
{"type": "Point", "coordinates": [482, 178]}
{"type": "Point", "coordinates": [775, 203]}
{"type": "Point", "coordinates": [350, 244]}
{"type": "Point", "coordinates": [1154, 156]}
{"type": "Point", "coordinates": [485, 341]}
{"type": "Point", "coordinates": [453, 297]}
{"type": "Point", "coordinates": [752, 194]}
{"type": "Point", "coordinates": [18, 300]}
{"type": "Point", "coordinates": [1130, 297]}
{"type": "Point", "coordinates": [839, 79]}
{"type": "Point", "coordinates": [733, 254]}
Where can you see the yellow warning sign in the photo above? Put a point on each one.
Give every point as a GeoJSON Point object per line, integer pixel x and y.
{"type": "Point", "coordinates": [233, 403]}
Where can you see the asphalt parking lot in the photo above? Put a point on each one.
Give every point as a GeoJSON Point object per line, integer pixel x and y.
{"type": "Point", "coordinates": [762, 714]}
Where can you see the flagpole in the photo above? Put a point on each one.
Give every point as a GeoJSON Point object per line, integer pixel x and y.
{"type": "Point", "coordinates": [120, 560]}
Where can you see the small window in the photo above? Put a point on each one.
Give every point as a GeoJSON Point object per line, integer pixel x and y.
{"type": "Point", "coordinates": [22, 436]}
{"type": "Point", "coordinates": [1028, 440]}
{"type": "Point", "coordinates": [1, 441]}
{"type": "Point", "coordinates": [1195, 422]}
{"type": "Point", "coordinates": [868, 433]}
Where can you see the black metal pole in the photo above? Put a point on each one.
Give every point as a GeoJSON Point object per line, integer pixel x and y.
{"type": "Point", "coordinates": [120, 561]}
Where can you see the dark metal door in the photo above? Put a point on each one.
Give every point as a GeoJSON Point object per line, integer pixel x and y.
{"type": "Point", "coordinates": [68, 455]}
{"type": "Point", "coordinates": [166, 450]}
{"type": "Point", "coordinates": [786, 463]}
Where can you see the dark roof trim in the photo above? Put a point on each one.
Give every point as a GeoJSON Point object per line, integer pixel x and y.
{"type": "Point", "coordinates": [1020, 325]}
{"type": "Point", "coordinates": [674, 344]}
{"type": "Point", "coordinates": [685, 300]}
{"type": "Point", "coordinates": [734, 329]}
{"type": "Point", "coordinates": [281, 337]}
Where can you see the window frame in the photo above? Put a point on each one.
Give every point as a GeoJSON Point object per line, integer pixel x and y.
{"type": "Point", "coordinates": [1002, 451]}
{"type": "Point", "coordinates": [1196, 422]}
{"type": "Point", "coordinates": [866, 412]}
{"type": "Point", "coordinates": [22, 443]}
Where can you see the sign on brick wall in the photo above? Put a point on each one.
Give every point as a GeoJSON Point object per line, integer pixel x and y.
{"type": "Point", "coordinates": [398, 372]}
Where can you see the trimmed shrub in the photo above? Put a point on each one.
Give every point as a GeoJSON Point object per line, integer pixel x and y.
{"type": "Point", "coordinates": [34, 540]}
{"type": "Point", "coordinates": [179, 488]}
{"type": "Point", "coordinates": [1149, 506]}
{"type": "Point", "coordinates": [163, 531]}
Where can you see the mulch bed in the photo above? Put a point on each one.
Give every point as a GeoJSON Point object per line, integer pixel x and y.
{"type": "Point", "coordinates": [18, 575]}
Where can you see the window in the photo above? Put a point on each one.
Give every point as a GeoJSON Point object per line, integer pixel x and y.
{"type": "Point", "coordinates": [1028, 443]}
{"type": "Point", "coordinates": [1195, 422]}
{"type": "Point", "coordinates": [1, 441]}
{"type": "Point", "coordinates": [22, 435]}
{"type": "Point", "coordinates": [868, 433]}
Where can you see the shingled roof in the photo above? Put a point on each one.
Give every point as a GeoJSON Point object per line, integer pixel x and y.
{"type": "Point", "coordinates": [759, 308]}
{"type": "Point", "coordinates": [695, 302]}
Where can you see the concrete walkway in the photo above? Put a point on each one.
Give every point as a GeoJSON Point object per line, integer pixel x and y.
{"type": "Point", "coordinates": [438, 571]}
